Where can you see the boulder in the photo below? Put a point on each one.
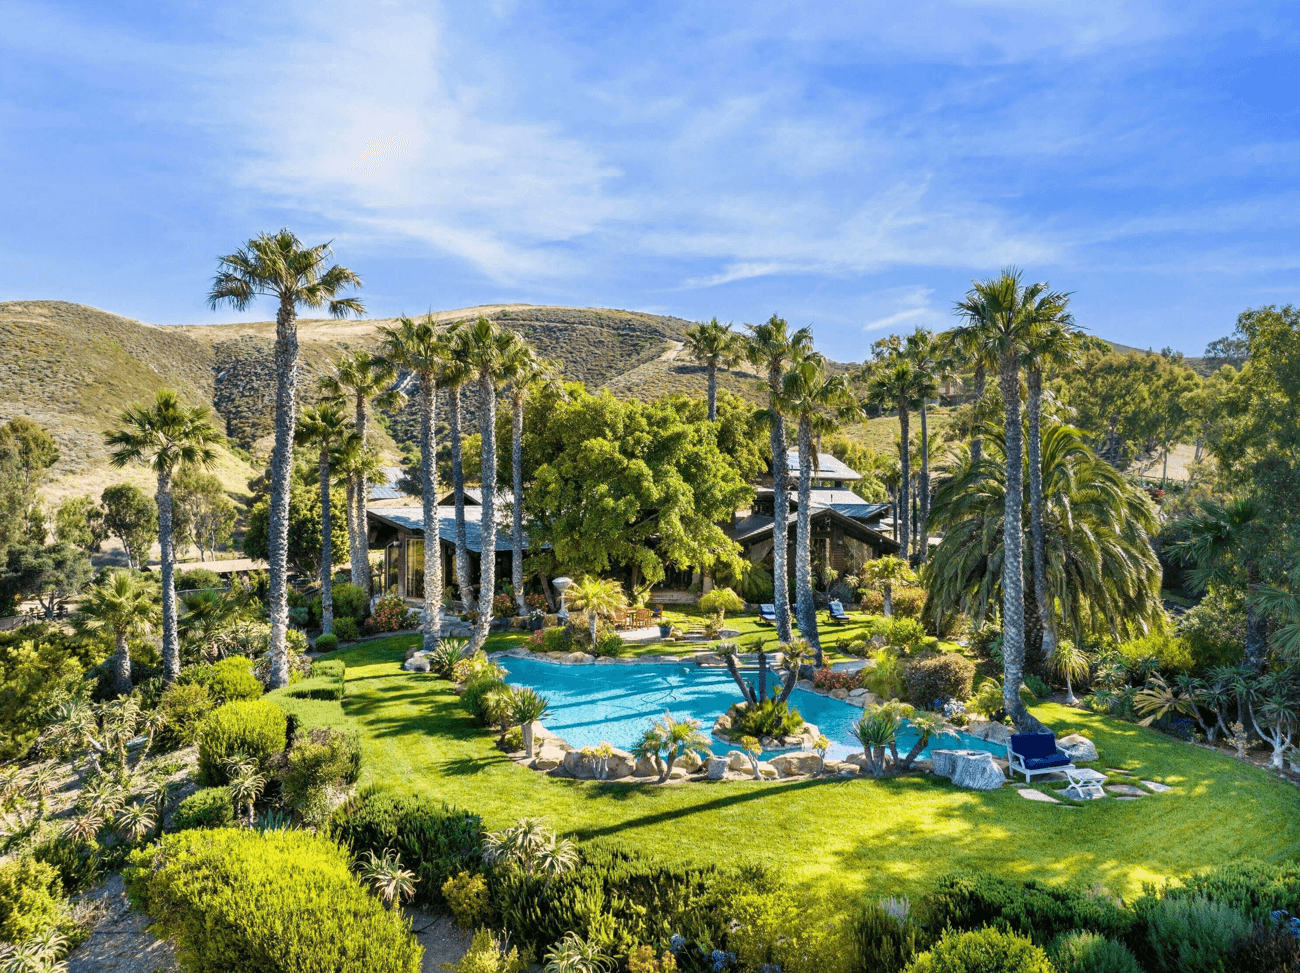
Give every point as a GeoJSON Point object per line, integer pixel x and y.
{"type": "Point", "coordinates": [708, 659]}
{"type": "Point", "coordinates": [998, 733]}
{"type": "Point", "coordinates": [518, 652]}
{"type": "Point", "coordinates": [839, 694]}
{"type": "Point", "coordinates": [767, 771]}
{"type": "Point", "coordinates": [860, 691]}
{"type": "Point", "coordinates": [717, 768]}
{"type": "Point", "coordinates": [678, 773]}
{"type": "Point", "coordinates": [547, 758]}
{"type": "Point", "coordinates": [689, 761]}
{"type": "Point", "coordinates": [1080, 748]}
{"type": "Point", "coordinates": [520, 623]}
{"type": "Point", "coordinates": [647, 767]}
{"type": "Point", "coordinates": [621, 765]}
{"type": "Point", "coordinates": [577, 764]}
{"type": "Point", "coordinates": [977, 772]}
{"type": "Point", "coordinates": [416, 663]}
{"type": "Point", "coordinates": [738, 760]}
{"type": "Point", "coordinates": [792, 764]}
{"type": "Point", "coordinates": [839, 767]}
{"type": "Point", "coordinates": [806, 684]}
{"type": "Point", "coordinates": [857, 759]}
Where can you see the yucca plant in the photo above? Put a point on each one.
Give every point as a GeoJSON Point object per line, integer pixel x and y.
{"type": "Point", "coordinates": [246, 784]}
{"type": "Point", "coordinates": [135, 821]}
{"type": "Point", "coordinates": [526, 707]}
{"type": "Point", "coordinates": [530, 846]}
{"type": "Point", "coordinates": [387, 877]}
{"type": "Point", "coordinates": [40, 954]}
{"type": "Point", "coordinates": [670, 739]}
{"type": "Point", "coordinates": [443, 659]}
{"type": "Point", "coordinates": [876, 732]}
{"type": "Point", "coordinates": [573, 954]}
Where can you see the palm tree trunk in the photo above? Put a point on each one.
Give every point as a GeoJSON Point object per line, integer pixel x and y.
{"type": "Point", "coordinates": [429, 498]}
{"type": "Point", "coordinates": [517, 481]}
{"type": "Point", "coordinates": [803, 543]}
{"type": "Point", "coordinates": [326, 548]}
{"type": "Point", "coordinates": [903, 512]}
{"type": "Point", "coordinates": [1256, 623]}
{"type": "Point", "coordinates": [360, 539]}
{"type": "Point", "coordinates": [286, 415]}
{"type": "Point", "coordinates": [350, 505]}
{"type": "Point", "coordinates": [977, 390]}
{"type": "Point", "coordinates": [121, 665]}
{"type": "Point", "coordinates": [1013, 591]}
{"type": "Point", "coordinates": [713, 391]}
{"type": "Point", "coordinates": [464, 583]}
{"type": "Point", "coordinates": [923, 548]}
{"type": "Point", "coordinates": [488, 529]}
{"type": "Point", "coordinates": [888, 596]}
{"type": "Point", "coordinates": [781, 517]}
{"type": "Point", "coordinates": [171, 649]}
{"type": "Point", "coordinates": [1036, 530]}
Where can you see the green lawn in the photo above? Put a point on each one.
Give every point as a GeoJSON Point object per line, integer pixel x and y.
{"type": "Point", "coordinates": [844, 835]}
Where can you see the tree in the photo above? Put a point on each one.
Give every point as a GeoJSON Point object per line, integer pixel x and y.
{"type": "Point", "coordinates": [895, 382]}
{"type": "Point", "coordinates": [26, 452]}
{"type": "Point", "coordinates": [418, 347]}
{"type": "Point", "coordinates": [1232, 350]}
{"type": "Point", "coordinates": [353, 464]}
{"type": "Point", "coordinates": [522, 369]}
{"type": "Point", "coordinates": [131, 516]}
{"type": "Point", "coordinates": [80, 522]}
{"type": "Point", "coordinates": [719, 601]}
{"type": "Point", "coordinates": [670, 739]}
{"type": "Point", "coordinates": [717, 346]}
{"type": "Point", "coordinates": [49, 573]}
{"type": "Point", "coordinates": [361, 380]}
{"type": "Point", "coordinates": [454, 375]}
{"type": "Point", "coordinates": [325, 429]}
{"type": "Point", "coordinates": [525, 708]}
{"type": "Point", "coordinates": [883, 573]}
{"type": "Point", "coordinates": [169, 437]}
{"type": "Point", "coordinates": [124, 605]}
{"type": "Point", "coordinates": [303, 554]}
{"type": "Point", "coordinates": [278, 265]}
{"type": "Point", "coordinates": [1070, 663]}
{"type": "Point", "coordinates": [772, 348]}
{"type": "Point", "coordinates": [934, 363]}
{"type": "Point", "coordinates": [208, 514]}
{"type": "Point", "coordinates": [596, 596]}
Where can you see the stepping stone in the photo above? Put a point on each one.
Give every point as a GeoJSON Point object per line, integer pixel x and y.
{"type": "Point", "coordinates": [1125, 790]}
{"type": "Point", "coordinates": [1029, 794]}
{"type": "Point", "coordinates": [1123, 798]}
{"type": "Point", "coordinates": [1118, 770]}
{"type": "Point", "coordinates": [1156, 786]}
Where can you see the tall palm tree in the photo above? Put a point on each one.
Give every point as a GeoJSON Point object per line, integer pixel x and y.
{"type": "Point", "coordinates": [718, 347]}
{"type": "Point", "coordinates": [454, 376]}
{"type": "Point", "coordinates": [1002, 315]}
{"type": "Point", "coordinates": [124, 604]}
{"type": "Point", "coordinates": [895, 382]}
{"type": "Point", "coordinates": [362, 380]}
{"type": "Point", "coordinates": [815, 401]}
{"type": "Point", "coordinates": [522, 369]}
{"type": "Point", "coordinates": [354, 464]}
{"type": "Point", "coordinates": [417, 346]}
{"type": "Point", "coordinates": [278, 265]}
{"type": "Point", "coordinates": [167, 436]}
{"type": "Point", "coordinates": [1052, 344]}
{"type": "Point", "coordinates": [483, 346]}
{"type": "Point", "coordinates": [773, 348]}
{"type": "Point", "coordinates": [326, 429]}
{"type": "Point", "coordinates": [934, 364]}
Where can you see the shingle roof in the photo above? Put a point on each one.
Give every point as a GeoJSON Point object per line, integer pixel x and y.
{"type": "Point", "coordinates": [412, 519]}
{"type": "Point", "coordinates": [828, 467]}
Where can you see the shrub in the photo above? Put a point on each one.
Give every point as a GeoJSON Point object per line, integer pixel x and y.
{"type": "Point", "coordinates": [908, 602]}
{"type": "Point", "coordinates": [555, 639]}
{"type": "Point", "coordinates": [1270, 946]}
{"type": "Point", "coordinates": [347, 629]}
{"type": "Point", "coordinates": [883, 942]}
{"type": "Point", "coordinates": [196, 579]}
{"type": "Point", "coordinates": [871, 600]}
{"type": "Point", "coordinates": [608, 645]}
{"type": "Point", "coordinates": [769, 718]}
{"type": "Point", "coordinates": [930, 678]}
{"type": "Point", "coordinates": [985, 640]}
{"type": "Point", "coordinates": [1037, 686]}
{"type": "Point", "coordinates": [434, 840]}
{"type": "Point", "coordinates": [255, 728]}
{"type": "Point", "coordinates": [1254, 888]}
{"type": "Point", "coordinates": [76, 861]}
{"type": "Point", "coordinates": [351, 602]}
{"type": "Point", "coordinates": [829, 679]}
{"type": "Point", "coordinates": [327, 642]}
{"type": "Point", "coordinates": [318, 761]}
{"type": "Point", "coordinates": [467, 897]}
{"type": "Point", "coordinates": [772, 930]}
{"type": "Point", "coordinates": [183, 707]}
{"type": "Point", "coordinates": [232, 679]}
{"type": "Point", "coordinates": [210, 807]}
{"type": "Point", "coordinates": [903, 633]}
{"type": "Point", "coordinates": [1192, 935]}
{"type": "Point", "coordinates": [984, 951]}
{"type": "Point", "coordinates": [859, 647]}
{"type": "Point", "coordinates": [325, 682]}
{"type": "Point", "coordinates": [1215, 630]}
{"type": "Point", "coordinates": [1170, 652]}
{"type": "Point", "coordinates": [31, 899]}
{"type": "Point", "coordinates": [284, 900]}
{"type": "Point", "coordinates": [514, 741]}
{"type": "Point", "coordinates": [885, 679]}
{"type": "Point", "coordinates": [478, 698]}
{"type": "Point", "coordinates": [643, 960]}
{"type": "Point", "coordinates": [486, 954]}
{"type": "Point", "coordinates": [391, 615]}
{"type": "Point", "coordinates": [720, 601]}
{"type": "Point", "coordinates": [1088, 952]}
{"type": "Point", "coordinates": [1041, 912]}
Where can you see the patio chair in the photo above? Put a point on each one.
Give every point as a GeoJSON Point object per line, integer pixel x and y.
{"type": "Point", "coordinates": [837, 613]}
{"type": "Point", "coordinates": [767, 613]}
{"type": "Point", "coordinates": [1036, 754]}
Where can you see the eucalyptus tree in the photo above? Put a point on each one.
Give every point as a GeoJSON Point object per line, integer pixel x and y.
{"type": "Point", "coordinates": [521, 368]}
{"type": "Point", "coordinates": [417, 346]}
{"type": "Point", "coordinates": [362, 380]}
{"type": "Point", "coordinates": [124, 605]}
{"type": "Point", "coordinates": [815, 401]}
{"type": "Point", "coordinates": [325, 429]}
{"type": "Point", "coordinates": [934, 363]}
{"type": "Point", "coordinates": [773, 348]}
{"type": "Point", "coordinates": [278, 265]}
{"type": "Point", "coordinates": [168, 436]}
{"type": "Point", "coordinates": [895, 382]}
{"type": "Point", "coordinates": [454, 375]}
{"type": "Point", "coordinates": [717, 346]}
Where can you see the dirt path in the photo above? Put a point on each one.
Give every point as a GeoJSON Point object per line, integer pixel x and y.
{"type": "Point", "coordinates": [120, 940]}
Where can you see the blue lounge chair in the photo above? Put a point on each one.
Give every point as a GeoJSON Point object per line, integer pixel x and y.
{"type": "Point", "coordinates": [1036, 753]}
{"type": "Point", "coordinates": [837, 613]}
{"type": "Point", "coordinates": [767, 613]}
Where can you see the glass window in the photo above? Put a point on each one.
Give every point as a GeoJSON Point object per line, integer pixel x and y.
{"type": "Point", "coordinates": [415, 568]}
{"type": "Point", "coordinates": [391, 559]}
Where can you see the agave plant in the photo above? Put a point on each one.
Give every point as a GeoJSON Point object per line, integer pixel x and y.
{"type": "Point", "coordinates": [573, 954]}
{"type": "Point", "coordinates": [876, 732]}
{"type": "Point", "coordinates": [443, 659]}
{"type": "Point", "coordinates": [531, 847]}
{"type": "Point", "coordinates": [40, 954]}
{"type": "Point", "coordinates": [387, 877]}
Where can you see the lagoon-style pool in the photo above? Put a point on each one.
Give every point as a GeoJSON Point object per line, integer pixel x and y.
{"type": "Point", "coordinates": [618, 703]}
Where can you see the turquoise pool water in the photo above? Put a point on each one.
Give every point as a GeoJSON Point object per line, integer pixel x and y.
{"type": "Point", "coordinates": [617, 704]}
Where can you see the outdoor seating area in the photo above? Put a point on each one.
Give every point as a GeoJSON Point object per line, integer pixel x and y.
{"type": "Point", "coordinates": [1034, 754]}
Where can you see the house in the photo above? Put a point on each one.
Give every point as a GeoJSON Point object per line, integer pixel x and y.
{"type": "Point", "coordinates": [399, 533]}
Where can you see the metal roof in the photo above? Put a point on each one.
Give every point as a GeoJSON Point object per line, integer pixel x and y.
{"type": "Point", "coordinates": [827, 468]}
{"type": "Point", "coordinates": [412, 519]}
{"type": "Point", "coordinates": [388, 490]}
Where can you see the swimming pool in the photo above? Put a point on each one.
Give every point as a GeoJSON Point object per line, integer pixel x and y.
{"type": "Point", "coordinates": [618, 703]}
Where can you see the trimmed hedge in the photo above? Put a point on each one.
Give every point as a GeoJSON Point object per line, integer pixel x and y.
{"type": "Point", "coordinates": [327, 642]}
{"type": "Point", "coordinates": [325, 681]}
{"type": "Point", "coordinates": [276, 902]}
{"type": "Point", "coordinates": [254, 728]}
{"type": "Point", "coordinates": [932, 677]}
{"type": "Point", "coordinates": [232, 679]}
{"type": "Point", "coordinates": [1041, 912]}
{"type": "Point", "coordinates": [210, 807]}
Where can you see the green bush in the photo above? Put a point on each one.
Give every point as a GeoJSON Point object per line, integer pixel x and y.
{"type": "Point", "coordinates": [772, 930]}
{"type": "Point", "coordinates": [434, 840]}
{"type": "Point", "coordinates": [1215, 630]}
{"type": "Point", "coordinates": [1191, 935]}
{"type": "Point", "coordinates": [487, 954]}
{"type": "Point", "coordinates": [254, 728]}
{"type": "Point", "coordinates": [467, 897]}
{"type": "Point", "coordinates": [327, 642]}
{"type": "Point", "coordinates": [555, 639]}
{"type": "Point", "coordinates": [904, 633]}
{"type": "Point", "coordinates": [1041, 912]}
{"type": "Point", "coordinates": [232, 679]}
{"type": "Point", "coordinates": [235, 900]}
{"type": "Point", "coordinates": [768, 719]}
{"type": "Point", "coordinates": [608, 645]}
{"type": "Point", "coordinates": [983, 951]}
{"type": "Point", "coordinates": [929, 678]}
{"type": "Point", "coordinates": [209, 807]}
{"type": "Point", "coordinates": [325, 682]}
{"type": "Point", "coordinates": [347, 629]}
{"type": "Point", "coordinates": [475, 697]}
{"type": "Point", "coordinates": [1269, 946]}
{"type": "Point", "coordinates": [31, 899]}
{"type": "Point", "coordinates": [908, 602]}
{"type": "Point", "coordinates": [77, 862]}
{"type": "Point", "coordinates": [351, 602]}
{"type": "Point", "coordinates": [884, 943]}
{"type": "Point", "coordinates": [1037, 686]}
{"type": "Point", "coordinates": [183, 706]}
{"type": "Point", "coordinates": [197, 578]}
{"type": "Point", "coordinates": [1254, 888]}
{"type": "Point", "coordinates": [885, 678]}
{"type": "Point", "coordinates": [1088, 952]}
{"type": "Point", "coordinates": [985, 640]}
{"type": "Point", "coordinates": [317, 761]}
{"type": "Point", "coordinates": [1170, 652]}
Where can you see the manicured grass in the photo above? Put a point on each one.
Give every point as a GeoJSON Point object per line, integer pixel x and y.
{"type": "Point", "coordinates": [839, 837]}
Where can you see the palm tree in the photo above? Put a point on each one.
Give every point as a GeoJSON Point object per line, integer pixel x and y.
{"type": "Point", "coordinates": [718, 347]}
{"type": "Point", "coordinates": [670, 739]}
{"type": "Point", "coordinates": [362, 380]}
{"type": "Point", "coordinates": [352, 465]}
{"type": "Point", "coordinates": [126, 605]}
{"type": "Point", "coordinates": [895, 382]}
{"type": "Point", "coordinates": [596, 596]}
{"type": "Point", "coordinates": [963, 345]}
{"type": "Point", "coordinates": [208, 620]}
{"type": "Point", "coordinates": [521, 368]}
{"type": "Point", "coordinates": [1070, 663]}
{"type": "Point", "coordinates": [771, 347]}
{"type": "Point", "coordinates": [484, 347]}
{"type": "Point", "coordinates": [418, 348]}
{"type": "Point", "coordinates": [278, 265]}
{"type": "Point", "coordinates": [884, 573]}
{"type": "Point", "coordinates": [934, 364]}
{"type": "Point", "coordinates": [325, 428]}
{"type": "Point", "coordinates": [454, 375]}
{"type": "Point", "coordinates": [167, 436]}
{"type": "Point", "coordinates": [524, 708]}
{"type": "Point", "coordinates": [815, 401]}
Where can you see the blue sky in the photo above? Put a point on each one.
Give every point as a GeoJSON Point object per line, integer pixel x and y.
{"type": "Point", "coordinates": [849, 166]}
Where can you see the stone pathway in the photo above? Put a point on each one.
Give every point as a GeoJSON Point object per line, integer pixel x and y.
{"type": "Point", "coordinates": [1125, 790]}
{"type": "Point", "coordinates": [1029, 794]}
{"type": "Point", "coordinates": [120, 940]}
{"type": "Point", "coordinates": [1156, 786]}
